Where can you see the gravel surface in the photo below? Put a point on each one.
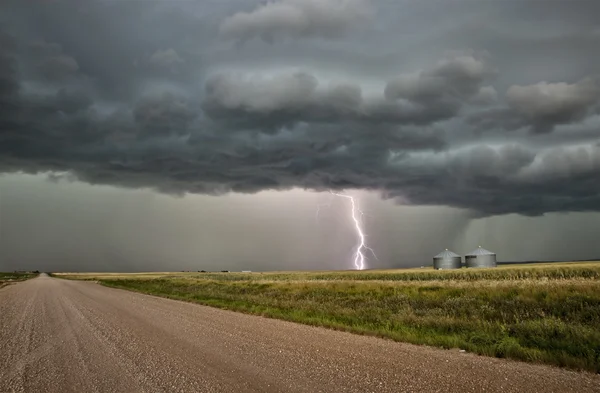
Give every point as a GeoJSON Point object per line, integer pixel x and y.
{"type": "Point", "coordinates": [72, 336]}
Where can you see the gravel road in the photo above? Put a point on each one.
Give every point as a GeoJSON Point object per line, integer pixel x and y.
{"type": "Point", "coordinates": [70, 336]}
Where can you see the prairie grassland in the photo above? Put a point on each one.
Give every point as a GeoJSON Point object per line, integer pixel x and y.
{"type": "Point", "coordinates": [540, 313]}
{"type": "Point", "coordinates": [8, 277]}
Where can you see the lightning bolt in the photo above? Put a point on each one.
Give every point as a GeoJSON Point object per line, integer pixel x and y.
{"type": "Point", "coordinates": [359, 256]}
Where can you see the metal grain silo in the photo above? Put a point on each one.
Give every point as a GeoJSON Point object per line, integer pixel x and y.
{"type": "Point", "coordinates": [447, 260]}
{"type": "Point", "coordinates": [480, 257]}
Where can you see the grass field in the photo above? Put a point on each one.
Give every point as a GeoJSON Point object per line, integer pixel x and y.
{"type": "Point", "coordinates": [546, 313]}
{"type": "Point", "coordinates": [7, 278]}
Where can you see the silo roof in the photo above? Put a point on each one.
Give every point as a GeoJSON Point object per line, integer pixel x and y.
{"type": "Point", "coordinates": [446, 254]}
{"type": "Point", "coordinates": [481, 251]}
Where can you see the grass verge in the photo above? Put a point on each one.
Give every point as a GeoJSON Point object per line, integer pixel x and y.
{"type": "Point", "coordinates": [8, 278]}
{"type": "Point", "coordinates": [547, 314]}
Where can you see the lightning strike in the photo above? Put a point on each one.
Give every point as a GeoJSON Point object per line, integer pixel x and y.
{"type": "Point", "coordinates": [359, 256]}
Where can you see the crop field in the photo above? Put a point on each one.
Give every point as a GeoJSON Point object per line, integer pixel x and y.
{"type": "Point", "coordinates": [546, 313]}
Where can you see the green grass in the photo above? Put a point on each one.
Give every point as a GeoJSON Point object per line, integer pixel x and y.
{"type": "Point", "coordinates": [6, 278]}
{"type": "Point", "coordinates": [548, 314]}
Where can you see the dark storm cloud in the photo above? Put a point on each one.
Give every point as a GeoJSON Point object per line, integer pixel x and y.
{"type": "Point", "coordinates": [297, 19]}
{"type": "Point", "coordinates": [487, 95]}
{"type": "Point", "coordinates": [419, 98]}
{"type": "Point", "coordinates": [8, 79]}
{"type": "Point", "coordinates": [168, 59]}
{"type": "Point", "coordinates": [50, 62]}
{"type": "Point", "coordinates": [118, 48]}
{"type": "Point", "coordinates": [508, 179]}
{"type": "Point", "coordinates": [457, 77]}
{"type": "Point", "coordinates": [134, 94]}
{"type": "Point", "coordinates": [58, 67]}
{"type": "Point", "coordinates": [542, 106]}
{"type": "Point", "coordinates": [548, 104]}
{"type": "Point", "coordinates": [164, 114]}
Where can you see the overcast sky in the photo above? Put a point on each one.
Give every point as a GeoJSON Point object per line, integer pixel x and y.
{"type": "Point", "coordinates": [170, 135]}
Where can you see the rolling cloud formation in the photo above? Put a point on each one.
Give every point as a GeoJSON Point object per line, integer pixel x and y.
{"type": "Point", "coordinates": [338, 94]}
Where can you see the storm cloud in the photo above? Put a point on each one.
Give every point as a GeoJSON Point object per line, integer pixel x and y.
{"type": "Point", "coordinates": [164, 98]}
{"type": "Point", "coordinates": [548, 104]}
{"type": "Point", "coordinates": [297, 19]}
{"type": "Point", "coordinates": [273, 101]}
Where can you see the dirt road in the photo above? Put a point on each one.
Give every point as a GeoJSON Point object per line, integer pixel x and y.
{"type": "Point", "coordinates": [67, 336]}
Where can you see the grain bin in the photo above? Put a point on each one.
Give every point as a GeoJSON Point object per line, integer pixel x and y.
{"type": "Point", "coordinates": [447, 260]}
{"type": "Point", "coordinates": [480, 257]}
